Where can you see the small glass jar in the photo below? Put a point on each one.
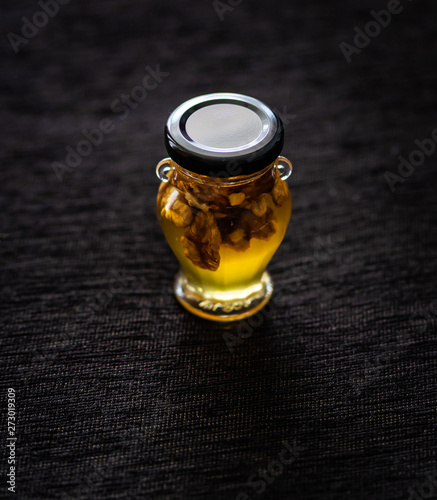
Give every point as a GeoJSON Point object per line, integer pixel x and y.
{"type": "Point", "coordinates": [223, 202]}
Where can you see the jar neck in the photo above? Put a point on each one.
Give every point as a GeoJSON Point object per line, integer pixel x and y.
{"type": "Point", "coordinates": [262, 177]}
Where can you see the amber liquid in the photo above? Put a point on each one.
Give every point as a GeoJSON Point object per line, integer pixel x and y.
{"type": "Point", "coordinates": [239, 270]}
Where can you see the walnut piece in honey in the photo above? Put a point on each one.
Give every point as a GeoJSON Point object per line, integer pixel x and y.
{"type": "Point", "coordinates": [180, 214]}
{"type": "Point", "coordinates": [202, 242]}
{"type": "Point", "coordinates": [237, 240]}
{"type": "Point", "coordinates": [215, 216]}
{"type": "Point", "coordinates": [261, 228]}
{"type": "Point", "coordinates": [236, 199]}
{"type": "Point", "coordinates": [260, 205]}
{"type": "Point", "coordinates": [279, 191]}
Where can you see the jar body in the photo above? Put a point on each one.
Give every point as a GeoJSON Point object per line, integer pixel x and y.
{"type": "Point", "coordinates": [224, 233]}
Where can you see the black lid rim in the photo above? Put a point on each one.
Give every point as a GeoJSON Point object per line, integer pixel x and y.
{"type": "Point", "coordinates": [229, 166]}
{"type": "Point", "coordinates": [229, 162]}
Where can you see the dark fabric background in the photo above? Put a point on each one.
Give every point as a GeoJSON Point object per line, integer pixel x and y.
{"type": "Point", "coordinates": [143, 400]}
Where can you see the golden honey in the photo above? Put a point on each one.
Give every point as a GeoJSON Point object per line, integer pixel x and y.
{"type": "Point", "coordinates": [224, 233]}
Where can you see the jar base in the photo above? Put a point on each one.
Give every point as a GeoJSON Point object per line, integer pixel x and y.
{"type": "Point", "coordinates": [232, 305]}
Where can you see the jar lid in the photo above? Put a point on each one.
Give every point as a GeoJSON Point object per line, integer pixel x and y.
{"type": "Point", "coordinates": [224, 135]}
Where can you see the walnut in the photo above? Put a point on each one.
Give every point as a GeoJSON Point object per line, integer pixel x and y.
{"type": "Point", "coordinates": [237, 240]}
{"type": "Point", "coordinates": [175, 209]}
{"type": "Point", "coordinates": [239, 246]}
{"type": "Point", "coordinates": [213, 215]}
{"type": "Point", "coordinates": [237, 235]}
{"type": "Point", "coordinates": [190, 250]}
{"type": "Point", "coordinates": [279, 191]}
{"type": "Point", "coordinates": [261, 228]}
{"type": "Point", "coordinates": [180, 214]}
{"type": "Point", "coordinates": [220, 215]}
{"type": "Point", "coordinates": [194, 202]}
{"type": "Point", "coordinates": [236, 198]}
{"type": "Point", "coordinates": [202, 242]}
{"type": "Point", "coordinates": [260, 205]}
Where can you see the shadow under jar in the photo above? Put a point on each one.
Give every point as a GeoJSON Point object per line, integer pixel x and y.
{"type": "Point", "coordinates": [223, 202]}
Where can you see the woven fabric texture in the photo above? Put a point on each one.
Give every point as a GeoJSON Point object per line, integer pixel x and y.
{"type": "Point", "coordinates": [120, 393]}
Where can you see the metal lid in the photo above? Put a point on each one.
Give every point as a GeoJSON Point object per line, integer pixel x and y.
{"type": "Point", "coordinates": [224, 135]}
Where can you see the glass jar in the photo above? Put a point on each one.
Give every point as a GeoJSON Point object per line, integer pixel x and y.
{"type": "Point", "coordinates": [223, 202]}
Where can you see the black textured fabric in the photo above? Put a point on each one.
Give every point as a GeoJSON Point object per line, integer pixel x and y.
{"type": "Point", "coordinates": [119, 392]}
